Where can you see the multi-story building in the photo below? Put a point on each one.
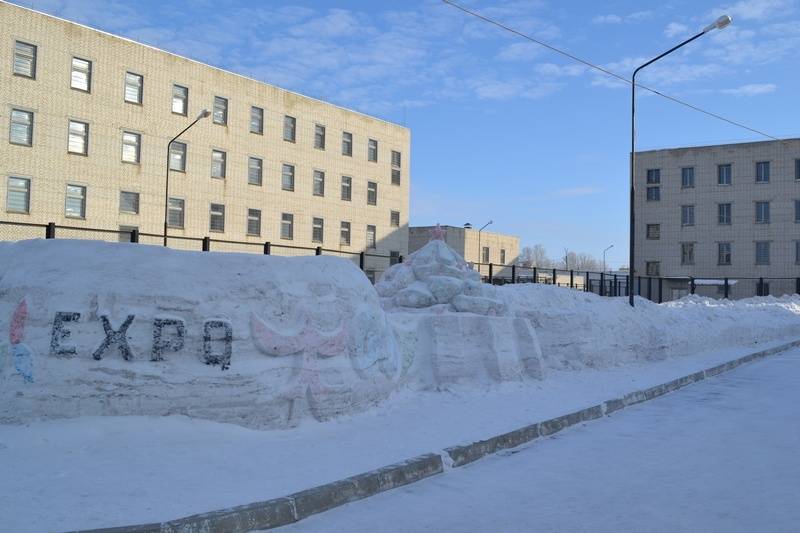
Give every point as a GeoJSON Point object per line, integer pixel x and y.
{"type": "Point", "coordinates": [481, 250]}
{"type": "Point", "coordinates": [715, 212]}
{"type": "Point", "coordinates": [89, 116]}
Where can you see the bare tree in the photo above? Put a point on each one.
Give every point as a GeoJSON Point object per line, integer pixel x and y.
{"type": "Point", "coordinates": [535, 256]}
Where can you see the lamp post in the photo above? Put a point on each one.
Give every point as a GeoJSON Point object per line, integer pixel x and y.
{"type": "Point", "coordinates": [604, 257]}
{"type": "Point", "coordinates": [480, 250]}
{"type": "Point", "coordinates": [203, 114]}
{"type": "Point", "coordinates": [720, 23]}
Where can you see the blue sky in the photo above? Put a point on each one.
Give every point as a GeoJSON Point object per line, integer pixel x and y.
{"type": "Point", "coordinates": [501, 128]}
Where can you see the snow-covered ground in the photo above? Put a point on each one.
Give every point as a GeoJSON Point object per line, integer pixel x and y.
{"type": "Point", "coordinates": [719, 456]}
{"type": "Point", "coordinates": [110, 471]}
{"type": "Point", "coordinates": [231, 378]}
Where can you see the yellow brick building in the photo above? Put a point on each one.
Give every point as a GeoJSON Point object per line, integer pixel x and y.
{"type": "Point", "coordinates": [88, 117]}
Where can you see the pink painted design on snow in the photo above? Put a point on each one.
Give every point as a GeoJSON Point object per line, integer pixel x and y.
{"type": "Point", "coordinates": [309, 340]}
{"type": "Point", "coordinates": [437, 233]}
{"type": "Point", "coordinates": [17, 331]}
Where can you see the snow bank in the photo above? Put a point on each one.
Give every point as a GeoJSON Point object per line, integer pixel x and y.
{"type": "Point", "coordinates": [106, 328]}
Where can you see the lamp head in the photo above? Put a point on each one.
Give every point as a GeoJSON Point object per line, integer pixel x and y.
{"type": "Point", "coordinates": [467, 226]}
{"type": "Point", "coordinates": [720, 24]}
{"type": "Point", "coordinates": [205, 113]}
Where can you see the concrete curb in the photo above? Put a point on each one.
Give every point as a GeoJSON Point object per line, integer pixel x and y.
{"type": "Point", "coordinates": [294, 507]}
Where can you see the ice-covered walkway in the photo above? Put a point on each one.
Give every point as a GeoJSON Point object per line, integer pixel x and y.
{"type": "Point", "coordinates": [722, 455]}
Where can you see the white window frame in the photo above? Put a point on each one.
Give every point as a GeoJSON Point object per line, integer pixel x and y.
{"type": "Point", "coordinates": [79, 140]}
{"type": "Point", "coordinates": [345, 233]}
{"type": "Point", "coordinates": [218, 211]}
{"type": "Point", "coordinates": [219, 113]}
{"type": "Point", "coordinates": [687, 258]}
{"type": "Point", "coordinates": [762, 212]}
{"type": "Point", "coordinates": [372, 150]}
{"type": "Point", "coordinates": [394, 219]}
{"type": "Point", "coordinates": [728, 254]}
{"type": "Point", "coordinates": [255, 164]}
{"type": "Point", "coordinates": [136, 146]}
{"type": "Point", "coordinates": [654, 235]}
{"type": "Point", "coordinates": [289, 128]}
{"type": "Point", "coordinates": [687, 178]}
{"type": "Point", "coordinates": [319, 136]}
{"type": "Point", "coordinates": [317, 225]}
{"type": "Point", "coordinates": [287, 226]}
{"type": "Point", "coordinates": [219, 164]}
{"type": "Point", "coordinates": [725, 178]}
{"type": "Point", "coordinates": [372, 193]}
{"type": "Point", "coordinates": [762, 171]}
{"type": "Point", "coordinates": [287, 172]}
{"type": "Point", "coordinates": [372, 243]}
{"type": "Point", "coordinates": [133, 82]}
{"type": "Point", "coordinates": [347, 144]}
{"type": "Point", "coordinates": [767, 245]}
{"type": "Point", "coordinates": [15, 125]}
{"type": "Point", "coordinates": [25, 56]}
{"type": "Point", "coordinates": [725, 214]}
{"type": "Point", "coordinates": [318, 185]}
{"type": "Point", "coordinates": [687, 215]}
{"type": "Point", "coordinates": [81, 198]}
{"type": "Point", "coordinates": [253, 220]}
{"type": "Point", "coordinates": [257, 120]}
{"type": "Point", "coordinates": [136, 204]}
{"type": "Point", "coordinates": [80, 74]}
{"type": "Point", "coordinates": [347, 184]}
{"type": "Point", "coordinates": [177, 152]}
{"type": "Point", "coordinates": [182, 100]}
{"type": "Point", "coordinates": [17, 190]}
{"type": "Point", "coordinates": [176, 208]}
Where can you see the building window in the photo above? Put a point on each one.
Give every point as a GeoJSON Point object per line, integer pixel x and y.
{"type": "Point", "coordinates": [762, 212]}
{"type": "Point", "coordinates": [723, 253]}
{"type": "Point", "coordinates": [254, 222]}
{"type": "Point", "coordinates": [131, 143]}
{"type": "Point", "coordinates": [317, 229]}
{"type": "Point", "coordinates": [254, 170]}
{"type": "Point", "coordinates": [372, 193]}
{"type": "Point", "coordinates": [180, 100]}
{"type": "Point", "coordinates": [287, 177]}
{"type": "Point", "coordinates": [654, 231]}
{"type": "Point", "coordinates": [396, 159]}
{"type": "Point", "coordinates": [177, 156]}
{"type": "Point", "coordinates": [81, 78]}
{"type": "Point", "coordinates": [24, 59]}
{"type": "Point", "coordinates": [687, 253]}
{"type": "Point", "coordinates": [762, 172]}
{"type": "Point", "coordinates": [797, 210]}
{"type": "Point", "coordinates": [289, 128]}
{"type": "Point", "coordinates": [762, 252]}
{"type": "Point", "coordinates": [372, 150]}
{"type": "Point", "coordinates": [347, 188]}
{"type": "Point", "coordinates": [78, 138]}
{"type": "Point", "coordinates": [653, 268]}
{"type": "Point", "coordinates": [687, 178]}
{"type": "Point", "coordinates": [344, 234]}
{"type": "Point", "coordinates": [485, 254]}
{"type": "Point", "coordinates": [18, 195]}
{"type": "Point", "coordinates": [134, 85]}
{"type": "Point", "coordinates": [797, 169]}
{"type": "Point", "coordinates": [724, 214]}
{"type": "Point", "coordinates": [287, 226]}
{"type": "Point", "coordinates": [175, 213]}
{"type": "Point", "coordinates": [21, 128]}
{"type": "Point", "coordinates": [687, 215]}
{"type": "Point", "coordinates": [394, 219]}
{"type": "Point", "coordinates": [256, 120]}
{"type": "Point", "coordinates": [502, 257]}
{"type": "Point", "coordinates": [371, 237]}
{"type": "Point", "coordinates": [319, 183]}
{"type": "Point", "coordinates": [724, 174]}
{"type": "Point", "coordinates": [394, 258]}
{"type": "Point", "coordinates": [220, 113]}
{"type": "Point", "coordinates": [218, 163]}
{"type": "Point", "coordinates": [654, 176]}
{"type": "Point", "coordinates": [653, 194]}
{"type": "Point", "coordinates": [319, 136]}
{"type": "Point", "coordinates": [75, 205]}
{"type": "Point", "coordinates": [347, 144]}
{"type": "Point", "coordinates": [797, 252]}
{"type": "Point", "coordinates": [217, 218]}
{"type": "Point", "coordinates": [129, 202]}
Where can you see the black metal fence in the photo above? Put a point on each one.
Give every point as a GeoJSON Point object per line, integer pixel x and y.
{"type": "Point", "coordinates": [656, 289]}
{"type": "Point", "coordinates": [372, 264]}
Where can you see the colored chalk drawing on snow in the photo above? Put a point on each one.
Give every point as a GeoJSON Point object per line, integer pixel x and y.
{"type": "Point", "coordinates": [21, 353]}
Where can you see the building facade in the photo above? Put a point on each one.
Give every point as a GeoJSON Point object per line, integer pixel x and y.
{"type": "Point", "coordinates": [715, 212]}
{"type": "Point", "coordinates": [489, 247]}
{"type": "Point", "coordinates": [88, 116]}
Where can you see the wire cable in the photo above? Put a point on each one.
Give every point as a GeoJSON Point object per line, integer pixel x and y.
{"type": "Point", "coordinates": [606, 71]}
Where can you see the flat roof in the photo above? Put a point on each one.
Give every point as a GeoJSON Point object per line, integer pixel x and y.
{"type": "Point", "coordinates": [199, 62]}
{"type": "Point", "coordinates": [733, 144]}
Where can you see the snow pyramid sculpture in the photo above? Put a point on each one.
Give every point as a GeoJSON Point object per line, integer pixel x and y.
{"type": "Point", "coordinates": [435, 276]}
{"type": "Point", "coordinates": [453, 329]}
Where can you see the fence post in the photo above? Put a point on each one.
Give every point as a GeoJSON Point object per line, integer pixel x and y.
{"type": "Point", "coordinates": [615, 292]}
{"type": "Point", "coordinates": [491, 273]}
{"type": "Point", "coordinates": [206, 244]}
{"type": "Point", "coordinates": [535, 275]}
{"type": "Point", "coordinates": [691, 285]}
{"type": "Point", "coordinates": [50, 231]}
{"type": "Point", "coordinates": [361, 261]}
{"type": "Point", "coordinates": [760, 286]}
{"type": "Point", "coordinates": [797, 285]}
{"type": "Point", "coordinates": [571, 279]}
{"type": "Point", "coordinates": [513, 273]}
{"type": "Point", "coordinates": [267, 248]}
{"type": "Point", "coordinates": [134, 235]}
{"type": "Point", "coordinates": [660, 290]}
{"type": "Point", "coordinates": [318, 250]}
{"type": "Point", "coordinates": [399, 258]}
{"type": "Point", "coordinates": [650, 288]}
{"type": "Point", "coordinates": [639, 285]}
{"type": "Point", "coordinates": [727, 288]}
{"type": "Point", "coordinates": [587, 287]}
{"type": "Point", "coordinates": [602, 283]}
{"type": "Point", "coordinates": [555, 277]}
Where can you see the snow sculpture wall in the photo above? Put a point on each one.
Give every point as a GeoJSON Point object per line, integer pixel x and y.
{"type": "Point", "coordinates": [99, 328]}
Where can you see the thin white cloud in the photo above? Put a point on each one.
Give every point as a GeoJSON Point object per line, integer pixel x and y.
{"type": "Point", "coordinates": [674, 29]}
{"type": "Point", "coordinates": [755, 9]}
{"type": "Point", "coordinates": [572, 192]}
{"type": "Point", "coordinates": [607, 19]}
{"type": "Point", "coordinates": [524, 51]}
{"type": "Point", "coordinates": [637, 16]}
{"type": "Point", "coordinates": [752, 89]}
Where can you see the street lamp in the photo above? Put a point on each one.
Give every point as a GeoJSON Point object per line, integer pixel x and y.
{"type": "Point", "coordinates": [203, 114]}
{"type": "Point", "coordinates": [480, 250]}
{"type": "Point", "coordinates": [722, 22]}
{"type": "Point", "coordinates": [604, 256]}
